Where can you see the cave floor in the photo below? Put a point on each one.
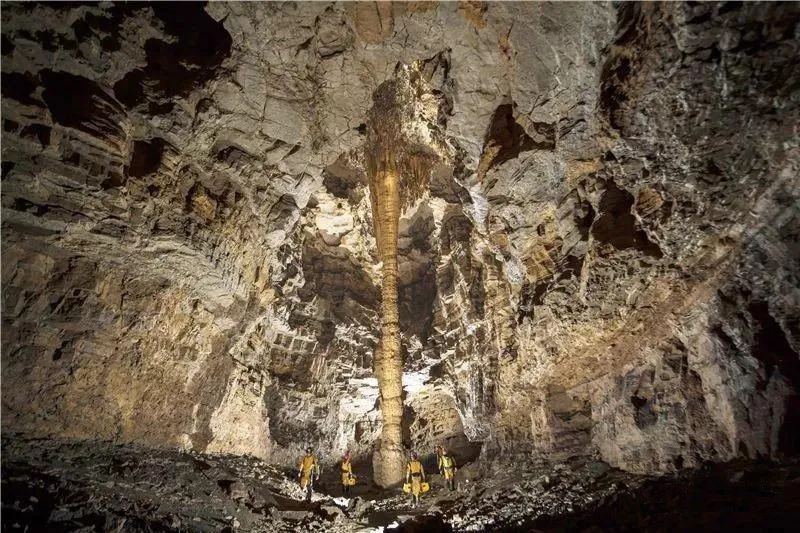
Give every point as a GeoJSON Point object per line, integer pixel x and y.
{"type": "Point", "coordinates": [50, 485]}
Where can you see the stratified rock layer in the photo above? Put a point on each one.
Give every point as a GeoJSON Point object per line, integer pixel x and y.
{"type": "Point", "coordinates": [603, 260]}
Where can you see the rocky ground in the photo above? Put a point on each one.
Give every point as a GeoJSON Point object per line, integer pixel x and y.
{"type": "Point", "coordinates": [50, 485]}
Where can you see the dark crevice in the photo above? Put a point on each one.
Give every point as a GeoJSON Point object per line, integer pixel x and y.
{"type": "Point", "coordinates": [77, 102]}
{"type": "Point", "coordinates": [618, 68]}
{"type": "Point", "coordinates": [348, 290]}
{"type": "Point", "coordinates": [233, 154]}
{"type": "Point", "coordinates": [25, 206]}
{"type": "Point", "coordinates": [455, 229]}
{"type": "Point", "coordinates": [175, 68]}
{"type": "Point", "coordinates": [20, 87]}
{"type": "Point", "coordinates": [506, 139]}
{"type": "Point", "coordinates": [146, 157]}
{"type": "Point", "coordinates": [617, 226]}
{"type": "Point", "coordinates": [415, 304]}
{"type": "Point", "coordinates": [477, 292]}
{"type": "Point", "coordinates": [39, 132]}
{"type": "Point", "coordinates": [7, 167]}
{"type": "Point", "coordinates": [789, 436]}
{"type": "Point", "coordinates": [771, 347]}
{"type": "Point", "coordinates": [6, 46]}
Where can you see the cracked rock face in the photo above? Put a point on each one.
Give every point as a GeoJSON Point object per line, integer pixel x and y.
{"type": "Point", "coordinates": [599, 258]}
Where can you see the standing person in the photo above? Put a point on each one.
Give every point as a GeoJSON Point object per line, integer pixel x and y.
{"type": "Point", "coordinates": [439, 449]}
{"type": "Point", "coordinates": [415, 474]}
{"type": "Point", "coordinates": [447, 465]}
{"type": "Point", "coordinates": [309, 470]}
{"type": "Point", "coordinates": [347, 472]}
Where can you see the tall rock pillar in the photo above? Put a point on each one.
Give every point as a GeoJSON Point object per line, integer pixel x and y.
{"type": "Point", "coordinates": [398, 162]}
{"type": "Point", "coordinates": [388, 461]}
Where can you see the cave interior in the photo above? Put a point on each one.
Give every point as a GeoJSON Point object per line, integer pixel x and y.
{"type": "Point", "coordinates": [560, 239]}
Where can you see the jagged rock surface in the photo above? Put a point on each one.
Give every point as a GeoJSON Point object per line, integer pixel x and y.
{"type": "Point", "coordinates": [605, 264]}
{"type": "Point", "coordinates": [65, 485]}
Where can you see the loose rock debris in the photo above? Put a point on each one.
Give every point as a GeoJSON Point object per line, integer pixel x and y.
{"type": "Point", "coordinates": [58, 485]}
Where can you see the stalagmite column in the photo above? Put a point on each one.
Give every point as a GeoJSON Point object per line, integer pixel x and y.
{"type": "Point", "coordinates": [398, 167]}
{"type": "Point", "coordinates": [383, 150]}
{"type": "Point", "coordinates": [388, 460]}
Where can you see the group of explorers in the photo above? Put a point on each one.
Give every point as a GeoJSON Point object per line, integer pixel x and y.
{"type": "Point", "coordinates": [415, 484]}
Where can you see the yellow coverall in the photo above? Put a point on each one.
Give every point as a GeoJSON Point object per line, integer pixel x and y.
{"type": "Point", "coordinates": [307, 466]}
{"type": "Point", "coordinates": [447, 466]}
{"type": "Point", "coordinates": [416, 473]}
{"type": "Point", "coordinates": [347, 471]}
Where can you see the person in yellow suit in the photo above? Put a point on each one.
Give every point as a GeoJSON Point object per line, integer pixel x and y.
{"type": "Point", "coordinates": [447, 467]}
{"type": "Point", "coordinates": [347, 472]}
{"type": "Point", "coordinates": [415, 474]}
{"type": "Point", "coordinates": [439, 449]}
{"type": "Point", "coordinates": [309, 471]}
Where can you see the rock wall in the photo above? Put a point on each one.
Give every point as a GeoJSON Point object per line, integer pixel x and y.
{"type": "Point", "coordinates": [604, 262]}
{"type": "Point", "coordinates": [689, 266]}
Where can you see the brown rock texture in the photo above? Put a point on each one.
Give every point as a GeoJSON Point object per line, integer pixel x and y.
{"type": "Point", "coordinates": [592, 228]}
